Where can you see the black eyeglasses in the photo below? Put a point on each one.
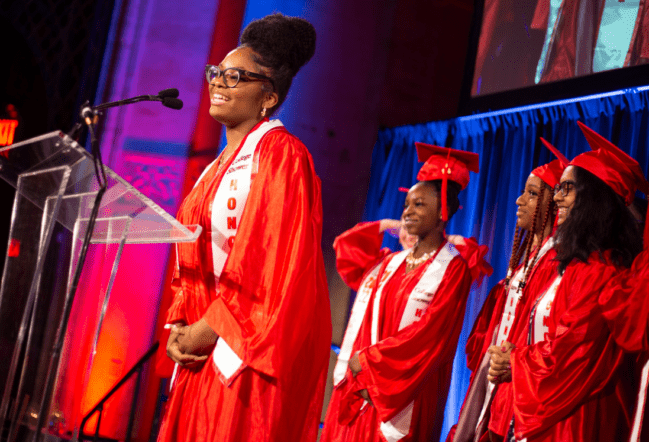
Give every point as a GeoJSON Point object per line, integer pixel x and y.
{"type": "Point", "coordinates": [232, 76]}
{"type": "Point", "coordinates": [564, 188]}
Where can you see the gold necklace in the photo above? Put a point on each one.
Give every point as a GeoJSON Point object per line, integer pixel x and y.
{"type": "Point", "coordinates": [413, 262]}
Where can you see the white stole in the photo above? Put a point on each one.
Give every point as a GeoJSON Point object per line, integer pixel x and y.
{"type": "Point", "coordinates": [513, 296]}
{"type": "Point", "coordinates": [507, 320]}
{"type": "Point", "coordinates": [638, 416]}
{"type": "Point", "coordinates": [542, 311]}
{"type": "Point", "coordinates": [420, 298]}
{"type": "Point", "coordinates": [231, 196]}
{"type": "Point", "coordinates": [354, 324]}
{"type": "Point", "coordinates": [227, 208]}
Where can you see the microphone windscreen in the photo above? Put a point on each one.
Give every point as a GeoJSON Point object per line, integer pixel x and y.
{"type": "Point", "coordinates": [173, 103]}
{"type": "Point", "coordinates": [173, 93]}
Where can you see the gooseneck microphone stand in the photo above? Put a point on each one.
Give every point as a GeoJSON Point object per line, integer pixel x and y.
{"type": "Point", "coordinates": [89, 115]}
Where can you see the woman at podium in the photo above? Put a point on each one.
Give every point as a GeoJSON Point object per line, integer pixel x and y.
{"type": "Point", "coordinates": [250, 320]}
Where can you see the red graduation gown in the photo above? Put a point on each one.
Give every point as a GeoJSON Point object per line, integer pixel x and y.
{"type": "Point", "coordinates": [271, 307]}
{"type": "Point", "coordinates": [570, 386]}
{"type": "Point", "coordinates": [502, 405]}
{"type": "Point", "coordinates": [625, 306]}
{"type": "Point", "coordinates": [483, 334]}
{"type": "Point", "coordinates": [414, 363]}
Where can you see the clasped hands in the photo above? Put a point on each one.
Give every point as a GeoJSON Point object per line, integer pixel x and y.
{"type": "Point", "coordinates": [190, 345]}
{"type": "Point", "coordinates": [499, 365]}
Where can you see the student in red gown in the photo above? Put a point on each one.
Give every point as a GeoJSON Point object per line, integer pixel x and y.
{"type": "Point", "coordinates": [569, 377]}
{"type": "Point", "coordinates": [395, 385]}
{"type": "Point", "coordinates": [358, 259]}
{"type": "Point", "coordinates": [250, 319]}
{"type": "Point", "coordinates": [531, 264]}
{"type": "Point", "coordinates": [625, 305]}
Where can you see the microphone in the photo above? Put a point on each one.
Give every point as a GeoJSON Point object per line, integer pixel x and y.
{"type": "Point", "coordinates": [172, 93]}
{"type": "Point", "coordinates": [168, 97]}
{"type": "Point", "coordinates": [172, 102]}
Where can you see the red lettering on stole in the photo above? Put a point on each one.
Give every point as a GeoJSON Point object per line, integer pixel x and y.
{"type": "Point", "coordinates": [232, 203]}
{"type": "Point", "coordinates": [233, 184]}
{"type": "Point", "coordinates": [546, 319]}
{"type": "Point", "coordinates": [231, 241]}
{"type": "Point", "coordinates": [419, 313]}
{"type": "Point", "coordinates": [232, 222]}
{"type": "Point", "coordinates": [371, 282]}
{"type": "Point", "coordinates": [14, 248]}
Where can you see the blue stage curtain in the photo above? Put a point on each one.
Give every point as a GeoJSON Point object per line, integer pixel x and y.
{"type": "Point", "coordinates": [509, 148]}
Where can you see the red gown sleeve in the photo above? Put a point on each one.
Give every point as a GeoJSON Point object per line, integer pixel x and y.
{"type": "Point", "coordinates": [273, 299]}
{"type": "Point", "coordinates": [474, 253]}
{"type": "Point", "coordinates": [394, 368]}
{"type": "Point", "coordinates": [164, 366]}
{"type": "Point", "coordinates": [176, 312]}
{"type": "Point", "coordinates": [574, 363]}
{"type": "Point", "coordinates": [358, 250]}
{"type": "Point", "coordinates": [485, 324]}
{"type": "Point", "coordinates": [625, 307]}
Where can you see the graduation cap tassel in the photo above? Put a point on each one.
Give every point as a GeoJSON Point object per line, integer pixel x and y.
{"type": "Point", "coordinates": [444, 198]}
{"type": "Point", "coordinates": [445, 174]}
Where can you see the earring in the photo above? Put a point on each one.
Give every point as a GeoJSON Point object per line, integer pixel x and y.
{"type": "Point", "coordinates": [263, 112]}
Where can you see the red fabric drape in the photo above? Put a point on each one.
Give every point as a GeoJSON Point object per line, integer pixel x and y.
{"type": "Point", "coordinates": [639, 48]}
{"type": "Point", "coordinates": [509, 48]}
{"type": "Point", "coordinates": [573, 40]}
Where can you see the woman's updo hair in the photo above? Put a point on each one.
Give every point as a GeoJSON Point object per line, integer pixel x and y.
{"type": "Point", "coordinates": [598, 221]}
{"type": "Point", "coordinates": [283, 45]}
{"type": "Point", "coordinates": [453, 190]}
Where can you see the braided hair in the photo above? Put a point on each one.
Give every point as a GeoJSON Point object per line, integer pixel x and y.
{"type": "Point", "coordinates": [523, 239]}
{"type": "Point", "coordinates": [282, 45]}
{"type": "Point", "coordinates": [550, 214]}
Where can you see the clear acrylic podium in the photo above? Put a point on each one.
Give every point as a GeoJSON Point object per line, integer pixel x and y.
{"type": "Point", "coordinates": [55, 183]}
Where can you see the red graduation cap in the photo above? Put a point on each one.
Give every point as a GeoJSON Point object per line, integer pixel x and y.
{"type": "Point", "coordinates": [613, 166]}
{"type": "Point", "coordinates": [610, 164]}
{"type": "Point", "coordinates": [443, 163]}
{"type": "Point", "coordinates": [551, 172]}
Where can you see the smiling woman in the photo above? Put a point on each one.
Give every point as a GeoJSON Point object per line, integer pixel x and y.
{"type": "Point", "coordinates": [250, 322]}
{"type": "Point", "coordinates": [592, 197]}
{"type": "Point", "coordinates": [402, 343]}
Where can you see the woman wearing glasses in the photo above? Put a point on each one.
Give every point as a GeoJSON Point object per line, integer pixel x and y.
{"type": "Point", "coordinates": [250, 321]}
{"type": "Point", "coordinates": [570, 380]}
